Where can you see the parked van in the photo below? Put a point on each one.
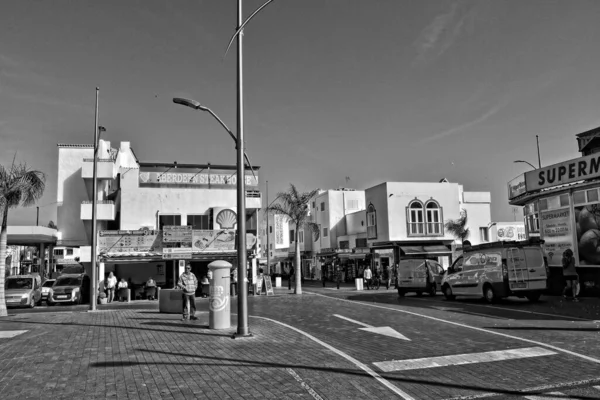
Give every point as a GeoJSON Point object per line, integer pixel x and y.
{"type": "Point", "coordinates": [23, 290]}
{"type": "Point", "coordinates": [419, 275]}
{"type": "Point", "coordinates": [70, 288]}
{"type": "Point", "coordinates": [497, 270]}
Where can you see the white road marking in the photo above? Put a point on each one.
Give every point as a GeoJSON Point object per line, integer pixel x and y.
{"type": "Point", "coordinates": [597, 387]}
{"type": "Point", "coordinates": [463, 311]}
{"type": "Point", "coordinates": [10, 334]}
{"type": "Point", "coordinates": [547, 396]}
{"type": "Point", "coordinates": [353, 360]}
{"type": "Point", "coordinates": [304, 385]}
{"type": "Point", "coordinates": [549, 346]}
{"type": "Point", "coordinates": [381, 330]}
{"type": "Point", "coordinates": [510, 309]}
{"type": "Point", "coordinates": [462, 359]}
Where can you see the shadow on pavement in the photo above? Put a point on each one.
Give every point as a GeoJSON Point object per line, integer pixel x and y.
{"type": "Point", "coordinates": [539, 328]}
{"type": "Point", "coordinates": [219, 362]}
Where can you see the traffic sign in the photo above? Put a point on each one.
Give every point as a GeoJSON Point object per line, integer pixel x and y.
{"type": "Point", "coordinates": [176, 233]}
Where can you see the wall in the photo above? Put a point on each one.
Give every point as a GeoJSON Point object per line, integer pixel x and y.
{"type": "Point", "coordinates": [478, 216]}
{"type": "Point", "coordinates": [378, 197]}
{"type": "Point", "coordinates": [356, 223]}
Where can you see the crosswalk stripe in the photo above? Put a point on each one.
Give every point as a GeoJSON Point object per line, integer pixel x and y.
{"type": "Point", "coordinates": [10, 334]}
{"type": "Point", "coordinates": [548, 396]}
{"type": "Point", "coordinates": [462, 359]}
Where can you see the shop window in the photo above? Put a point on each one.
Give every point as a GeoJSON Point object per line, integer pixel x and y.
{"type": "Point", "coordinates": [59, 252]}
{"type": "Point", "coordinates": [198, 221]}
{"type": "Point", "coordinates": [361, 243]}
{"type": "Point", "coordinates": [69, 252]}
{"type": "Point", "coordinates": [483, 234]}
{"type": "Point", "coordinates": [322, 206]}
{"type": "Point", "coordinates": [434, 219]}
{"type": "Point", "coordinates": [371, 222]}
{"type": "Point", "coordinates": [564, 200]}
{"type": "Point", "coordinates": [344, 244]}
{"type": "Point", "coordinates": [592, 196]}
{"type": "Point", "coordinates": [301, 236]}
{"type": "Point", "coordinates": [168, 219]}
{"type": "Point", "coordinates": [415, 218]}
{"type": "Point", "coordinates": [543, 204]}
{"type": "Point", "coordinates": [579, 197]}
{"type": "Point", "coordinates": [325, 231]}
{"type": "Point", "coordinates": [292, 237]}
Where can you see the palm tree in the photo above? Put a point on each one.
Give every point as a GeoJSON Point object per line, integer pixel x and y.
{"type": "Point", "coordinates": [294, 206]}
{"type": "Point", "coordinates": [19, 186]}
{"type": "Point", "coordinates": [458, 227]}
{"type": "Point", "coordinates": [52, 225]}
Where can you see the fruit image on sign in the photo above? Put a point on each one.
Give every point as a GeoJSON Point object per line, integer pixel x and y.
{"type": "Point", "coordinates": [587, 224]}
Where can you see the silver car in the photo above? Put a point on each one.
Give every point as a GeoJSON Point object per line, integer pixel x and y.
{"type": "Point", "coordinates": [23, 290]}
{"type": "Point", "coordinates": [46, 288]}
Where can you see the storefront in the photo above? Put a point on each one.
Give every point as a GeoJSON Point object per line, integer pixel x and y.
{"type": "Point", "coordinates": [354, 263]}
{"type": "Point", "coordinates": [561, 205]}
{"type": "Point", "coordinates": [388, 254]}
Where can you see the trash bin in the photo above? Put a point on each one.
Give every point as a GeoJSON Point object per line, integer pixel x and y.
{"type": "Point", "coordinates": [218, 302]}
{"type": "Point", "coordinates": [277, 281]}
{"type": "Point", "coordinates": [359, 283]}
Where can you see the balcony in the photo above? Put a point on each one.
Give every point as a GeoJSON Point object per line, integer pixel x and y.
{"type": "Point", "coordinates": [105, 210]}
{"type": "Point", "coordinates": [105, 168]}
{"type": "Point", "coordinates": [253, 199]}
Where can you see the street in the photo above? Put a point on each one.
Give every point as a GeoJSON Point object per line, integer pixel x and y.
{"type": "Point", "coordinates": [327, 343]}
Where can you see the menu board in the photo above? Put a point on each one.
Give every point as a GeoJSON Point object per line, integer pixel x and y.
{"type": "Point", "coordinates": [556, 232]}
{"type": "Point", "coordinates": [119, 242]}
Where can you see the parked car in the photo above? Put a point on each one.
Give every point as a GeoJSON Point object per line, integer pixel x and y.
{"type": "Point", "coordinates": [23, 290]}
{"type": "Point", "coordinates": [419, 275]}
{"type": "Point", "coordinates": [497, 270]}
{"type": "Point", "coordinates": [70, 288]}
{"type": "Point", "coordinates": [46, 288]}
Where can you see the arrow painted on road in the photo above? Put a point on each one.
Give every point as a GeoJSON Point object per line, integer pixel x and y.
{"type": "Point", "coordinates": [381, 330]}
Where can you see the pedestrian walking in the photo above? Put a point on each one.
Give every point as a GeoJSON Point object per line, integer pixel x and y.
{"type": "Point", "coordinates": [290, 278]}
{"type": "Point", "coordinates": [570, 274]}
{"type": "Point", "coordinates": [338, 275]}
{"type": "Point", "coordinates": [234, 279]}
{"type": "Point", "coordinates": [367, 276]}
{"type": "Point", "coordinates": [188, 283]}
{"type": "Point", "coordinates": [323, 275]}
{"type": "Point", "coordinates": [122, 290]}
{"type": "Point", "coordinates": [388, 277]}
{"type": "Point", "coordinates": [111, 284]}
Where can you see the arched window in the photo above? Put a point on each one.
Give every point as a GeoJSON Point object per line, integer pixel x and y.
{"type": "Point", "coordinates": [371, 222]}
{"type": "Point", "coordinates": [434, 218]}
{"type": "Point", "coordinates": [415, 217]}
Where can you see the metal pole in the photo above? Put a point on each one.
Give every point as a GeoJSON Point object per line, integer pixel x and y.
{"type": "Point", "coordinates": [242, 329]}
{"type": "Point", "coordinates": [94, 203]}
{"type": "Point", "coordinates": [37, 221]}
{"type": "Point", "coordinates": [268, 240]}
{"type": "Point", "coordinates": [538, 149]}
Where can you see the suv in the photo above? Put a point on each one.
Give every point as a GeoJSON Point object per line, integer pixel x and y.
{"type": "Point", "coordinates": [70, 288]}
{"type": "Point", "coordinates": [419, 275]}
{"type": "Point", "coordinates": [499, 269]}
{"type": "Point", "coordinates": [23, 290]}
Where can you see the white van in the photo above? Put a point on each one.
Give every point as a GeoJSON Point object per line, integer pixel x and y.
{"type": "Point", "coordinates": [497, 270]}
{"type": "Point", "coordinates": [419, 276]}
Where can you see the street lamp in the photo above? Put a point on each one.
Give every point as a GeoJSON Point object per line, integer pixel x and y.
{"type": "Point", "coordinates": [526, 162]}
{"type": "Point", "coordinates": [242, 329]}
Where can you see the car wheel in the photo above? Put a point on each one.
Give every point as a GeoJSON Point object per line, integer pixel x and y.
{"type": "Point", "coordinates": [533, 297]}
{"type": "Point", "coordinates": [432, 289]}
{"type": "Point", "coordinates": [32, 303]}
{"type": "Point", "coordinates": [488, 294]}
{"type": "Point", "coordinates": [39, 303]}
{"type": "Point", "coordinates": [448, 293]}
{"type": "Point", "coordinates": [419, 293]}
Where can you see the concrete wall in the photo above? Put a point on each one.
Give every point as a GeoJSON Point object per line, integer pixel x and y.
{"type": "Point", "coordinates": [356, 223]}
{"type": "Point", "coordinates": [478, 216]}
{"type": "Point", "coordinates": [377, 196]}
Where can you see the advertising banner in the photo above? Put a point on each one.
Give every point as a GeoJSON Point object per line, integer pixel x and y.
{"type": "Point", "coordinates": [557, 234]}
{"type": "Point", "coordinates": [210, 241]}
{"type": "Point", "coordinates": [574, 170]}
{"type": "Point", "coordinates": [193, 178]}
{"type": "Point", "coordinates": [177, 234]}
{"type": "Point", "coordinates": [510, 231]}
{"type": "Point", "coordinates": [587, 223]}
{"type": "Point", "coordinates": [119, 242]}
{"type": "Point", "coordinates": [517, 187]}
{"type": "Point", "coordinates": [282, 231]}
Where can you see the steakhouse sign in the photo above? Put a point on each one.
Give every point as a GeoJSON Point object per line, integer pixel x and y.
{"type": "Point", "coordinates": [191, 178]}
{"type": "Point", "coordinates": [575, 170]}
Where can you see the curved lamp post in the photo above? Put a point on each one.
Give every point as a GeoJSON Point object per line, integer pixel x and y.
{"type": "Point", "coordinates": [526, 162]}
{"type": "Point", "coordinates": [242, 329]}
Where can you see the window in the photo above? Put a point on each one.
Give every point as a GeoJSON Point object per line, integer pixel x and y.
{"type": "Point", "coordinates": [322, 206]}
{"type": "Point", "coordinates": [344, 244]}
{"type": "Point", "coordinates": [270, 246]}
{"type": "Point", "coordinates": [198, 221]}
{"type": "Point", "coordinates": [483, 234]}
{"type": "Point", "coordinates": [434, 219]}
{"type": "Point", "coordinates": [532, 220]}
{"type": "Point", "coordinates": [59, 252]}
{"type": "Point", "coordinates": [313, 204]}
{"type": "Point", "coordinates": [371, 222]}
{"type": "Point", "coordinates": [324, 232]}
{"type": "Point", "coordinates": [564, 199]}
{"type": "Point", "coordinates": [352, 205]}
{"type": "Point", "coordinates": [301, 236]}
{"type": "Point", "coordinates": [292, 237]}
{"type": "Point", "coordinates": [592, 196]}
{"type": "Point", "coordinates": [270, 229]}
{"type": "Point", "coordinates": [69, 252]}
{"type": "Point", "coordinates": [173, 219]}
{"type": "Point", "coordinates": [416, 219]}
{"type": "Point", "coordinates": [579, 197]}
{"type": "Point", "coordinates": [361, 243]}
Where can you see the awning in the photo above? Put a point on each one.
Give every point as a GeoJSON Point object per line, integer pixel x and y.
{"type": "Point", "coordinates": [425, 250]}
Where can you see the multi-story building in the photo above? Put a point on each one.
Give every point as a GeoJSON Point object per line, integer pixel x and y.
{"type": "Point", "coordinates": [151, 215]}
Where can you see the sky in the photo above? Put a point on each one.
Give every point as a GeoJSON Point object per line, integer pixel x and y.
{"type": "Point", "coordinates": [337, 93]}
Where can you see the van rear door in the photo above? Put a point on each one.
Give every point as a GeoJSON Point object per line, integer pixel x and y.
{"type": "Point", "coordinates": [411, 273]}
{"type": "Point", "coordinates": [518, 275]}
{"type": "Point", "coordinates": [536, 267]}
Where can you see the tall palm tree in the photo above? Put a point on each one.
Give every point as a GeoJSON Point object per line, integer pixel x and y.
{"type": "Point", "coordinates": [19, 186]}
{"type": "Point", "coordinates": [458, 227]}
{"type": "Point", "coordinates": [294, 206]}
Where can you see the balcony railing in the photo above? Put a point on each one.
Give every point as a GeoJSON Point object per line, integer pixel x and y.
{"type": "Point", "coordinates": [105, 168]}
{"type": "Point", "coordinates": [253, 199]}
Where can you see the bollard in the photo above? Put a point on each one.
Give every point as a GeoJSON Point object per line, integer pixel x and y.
{"type": "Point", "coordinates": [359, 283]}
{"type": "Point", "coordinates": [218, 302]}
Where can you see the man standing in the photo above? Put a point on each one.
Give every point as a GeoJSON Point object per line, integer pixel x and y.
{"type": "Point", "coordinates": [291, 278]}
{"type": "Point", "coordinates": [234, 278]}
{"type": "Point", "coordinates": [188, 283]}
{"type": "Point", "coordinates": [368, 275]}
{"type": "Point", "coordinates": [388, 276]}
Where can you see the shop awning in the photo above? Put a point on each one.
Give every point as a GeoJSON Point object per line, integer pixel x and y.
{"type": "Point", "coordinates": [425, 250]}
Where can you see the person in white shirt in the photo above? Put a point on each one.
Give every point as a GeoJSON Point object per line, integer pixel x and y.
{"type": "Point", "coordinates": [111, 284]}
{"type": "Point", "coordinates": [368, 275]}
{"type": "Point", "coordinates": [122, 286]}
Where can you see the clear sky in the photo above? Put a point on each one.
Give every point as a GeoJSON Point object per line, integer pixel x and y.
{"type": "Point", "coordinates": [373, 91]}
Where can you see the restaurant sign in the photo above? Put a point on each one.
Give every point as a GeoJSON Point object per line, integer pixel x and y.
{"type": "Point", "coordinates": [193, 178]}
{"type": "Point", "coordinates": [574, 170]}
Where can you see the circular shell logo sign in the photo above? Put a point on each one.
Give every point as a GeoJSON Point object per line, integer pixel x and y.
{"type": "Point", "coordinates": [217, 301]}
